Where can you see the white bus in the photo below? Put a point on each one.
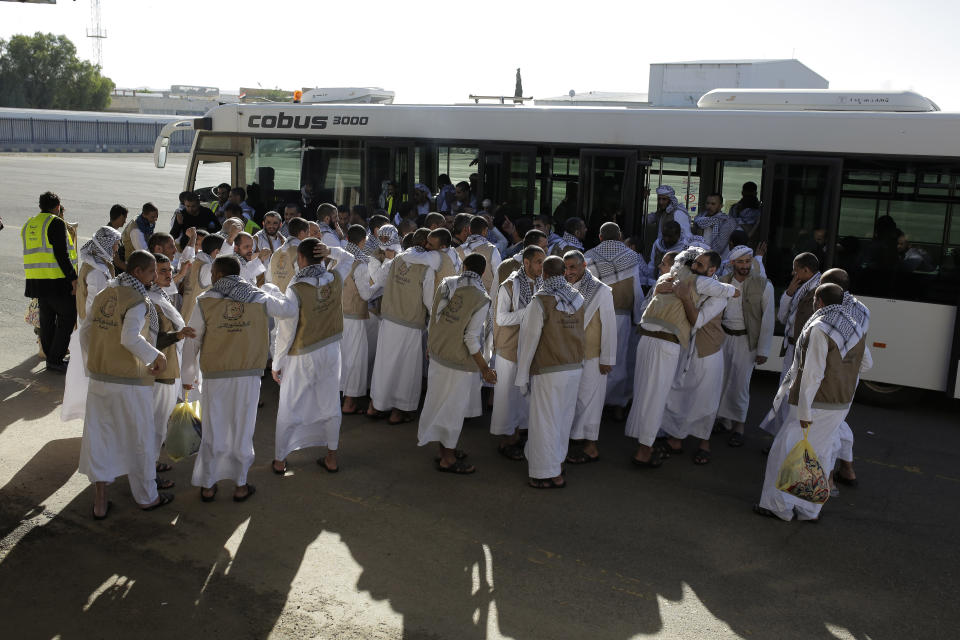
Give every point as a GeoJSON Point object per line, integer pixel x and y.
{"type": "Point", "coordinates": [826, 178]}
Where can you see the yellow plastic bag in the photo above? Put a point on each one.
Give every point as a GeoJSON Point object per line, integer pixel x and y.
{"type": "Point", "coordinates": [801, 474]}
{"type": "Point", "coordinates": [183, 430]}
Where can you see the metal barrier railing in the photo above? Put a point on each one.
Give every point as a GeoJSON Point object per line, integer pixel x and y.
{"type": "Point", "coordinates": [36, 132]}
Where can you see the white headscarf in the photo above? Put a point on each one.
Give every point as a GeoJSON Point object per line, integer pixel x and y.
{"type": "Point", "coordinates": [739, 251]}
{"type": "Point", "coordinates": [667, 190]}
{"type": "Point", "coordinates": [100, 248]}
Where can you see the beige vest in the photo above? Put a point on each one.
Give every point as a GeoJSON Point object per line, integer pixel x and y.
{"type": "Point", "coordinates": [321, 315]}
{"type": "Point", "coordinates": [665, 310]}
{"type": "Point", "coordinates": [191, 289]}
{"type": "Point", "coordinates": [486, 250]}
{"type": "Point", "coordinates": [623, 296]}
{"type": "Point", "coordinates": [593, 337]}
{"type": "Point", "coordinates": [403, 294]}
{"type": "Point", "coordinates": [354, 306]}
{"type": "Point", "coordinates": [82, 291]}
{"type": "Point", "coordinates": [445, 271]}
{"type": "Point", "coordinates": [127, 241]}
{"type": "Point", "coordinates": [283, 266]}
{"type": "Point", "coordinates": [802, 314]}
{"type": "Point", "coordinates": [107, 361]}
{"type": "Point", "coordinates": [506, 268]}
{"type": "Point", "coordinates": [561, 346]}
{"type": "Point", "coordinates": [172, 372]}
{"type": "Point", "coordinates": [235, 340]}
{"type": "Point", "coordinates": [840, 376]}
{"type": "Point", "coordinates": [751, 296]}
{"type": "Point", "coordinates": [710, 337]}
{"type": "Point", "coordinates": [445, 338]}
{"type": "Point", "coordinates": [506, 339]}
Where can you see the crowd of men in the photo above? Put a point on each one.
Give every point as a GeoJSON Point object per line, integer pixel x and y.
{"type": "Point", "coordinates": [346, 307]}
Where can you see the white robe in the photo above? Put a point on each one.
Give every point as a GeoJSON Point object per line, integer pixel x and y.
{"type": "Point", "coordinates": [553, 401]}
{"type": "Point", "coordinates": [452, 395]}
{"type": "Point", "coordinates": [228, 406]}
{"type": "Point", "coordinates": [446, 405]}
{"type": "Point", "coordinates": [695, 394]}
{"type": "Point", "coordinates": [118, 434]}
{"type": "Point", "coordinates": [844, 443]}
{"type": "Point", "coordinates": [620, 379]}
{"type": "Point", "coordinates": [398, 369]}
{"type": "Point", "coordinates": [738, 364]}
{"type": "Point", "coordinates": [75, 384]}
{"type": "Point", "coordinates": [309, 411]}
{"type": "Point", "coordinates": [262, 241]}
{"type": "Point", "coordinates": [738, 360]}
{"type": "Point", "coordinates": [591, 392]}
{"type": "Point", "coordinates": [165, 395]}
{"type": "Point", "coordinates": [822, 434]}
{"type": "Point", "coordinates": [511, 409]}
{"type": "Point", "coordinates": [164, 401]}
{"type": "Point", "coordinates": [309, 408]}
{"type": "Point", "coordinates": [656, 367]}
{"type": "Point", "coordinates": [355, 345]}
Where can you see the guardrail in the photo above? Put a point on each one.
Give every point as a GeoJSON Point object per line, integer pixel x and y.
{"type": "Point", "coordinates": [115, 135]}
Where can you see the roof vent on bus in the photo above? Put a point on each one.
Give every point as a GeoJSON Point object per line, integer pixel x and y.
{"type": "Point", "coordinates": [815, 100]}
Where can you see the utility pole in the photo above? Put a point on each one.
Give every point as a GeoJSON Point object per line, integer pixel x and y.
{"type": "Point", "coordinates": [96, 33]}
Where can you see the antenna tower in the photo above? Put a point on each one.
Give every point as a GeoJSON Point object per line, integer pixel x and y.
{"type": "Point", "coordinates": [96, 33]}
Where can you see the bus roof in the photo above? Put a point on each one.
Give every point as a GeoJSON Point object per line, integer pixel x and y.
{"type": "Point", "coordinates": [932, 135]}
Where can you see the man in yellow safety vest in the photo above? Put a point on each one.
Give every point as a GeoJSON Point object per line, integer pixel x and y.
{"type": "Point", "coordinates": [50, 265]}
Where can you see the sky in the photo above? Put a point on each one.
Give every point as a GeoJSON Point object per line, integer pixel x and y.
{"type": "Point", "coordinates": [440, 52]}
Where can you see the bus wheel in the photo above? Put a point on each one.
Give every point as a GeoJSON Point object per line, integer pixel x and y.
{"type": "Point", "coordinates": [879, 393]}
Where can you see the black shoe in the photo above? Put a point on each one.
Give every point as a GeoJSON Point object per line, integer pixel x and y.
{"type": "Point", "coordinates": [57, 367]}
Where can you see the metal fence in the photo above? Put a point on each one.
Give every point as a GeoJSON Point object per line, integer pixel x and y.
{"type": "Point", "coordinates": [44, 134]}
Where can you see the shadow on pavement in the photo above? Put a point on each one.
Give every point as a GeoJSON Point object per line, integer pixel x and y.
{"type": "Point", "coordinates": [27, 395]}
{"type": "Point", "coordinates": [618, 553]}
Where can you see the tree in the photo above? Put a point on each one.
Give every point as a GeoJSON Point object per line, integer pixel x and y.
{"type": "Point", "coordinates": [43, 72]}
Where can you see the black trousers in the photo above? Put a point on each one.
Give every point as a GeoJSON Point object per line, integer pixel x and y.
{"type": "Point", "coordinates": [58, 315]}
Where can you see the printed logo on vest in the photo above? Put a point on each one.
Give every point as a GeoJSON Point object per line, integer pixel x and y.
{"type": "Point", "coordinates": [455, 304]}
{"type": "Point", "coordinates": [108, 308]}
{"type": "Point", "coordinates": [233, 311]}
{"type": "Point", "coordinates": [324, 293]}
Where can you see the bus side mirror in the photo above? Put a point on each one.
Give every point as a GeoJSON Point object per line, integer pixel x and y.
{"type": "Point", "coordinates": [161, 159]}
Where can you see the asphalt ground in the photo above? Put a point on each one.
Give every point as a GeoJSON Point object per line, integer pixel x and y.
{"type": "Point", "coordinates": [389, 548]}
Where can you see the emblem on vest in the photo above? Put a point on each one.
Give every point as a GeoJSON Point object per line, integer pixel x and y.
{"type": "Point", "coordinates": [233, 311]}
{"type": "Point", "coordinates": [324, 293]}
{"type": "Point", "coordinates": [108, 308]}
{"type": "Point", "coordinates": [402, 269]}
{"type": "Point", "coordinates": [455, 304]}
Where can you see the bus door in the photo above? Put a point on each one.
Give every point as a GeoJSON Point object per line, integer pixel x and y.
{"type": "Point", "coordinates": [388, 162]}
{"type": "Point", "coordinates": [800, 203]}
{"type": "Point", "coordinates": [209, 170]}
{"type": "Point", "coordinates": [509, 175]}
{"type": "Point", "coordinates": [608, 181]}
{"type": "Point", "coordinates": [800, 206]}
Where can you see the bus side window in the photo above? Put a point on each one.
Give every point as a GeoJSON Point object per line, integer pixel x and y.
{"type": "Point", "coordinates": [891, 236]}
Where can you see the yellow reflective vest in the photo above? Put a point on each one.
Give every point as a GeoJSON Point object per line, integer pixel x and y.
{"type": "Point", "coordinates": [39, 261]}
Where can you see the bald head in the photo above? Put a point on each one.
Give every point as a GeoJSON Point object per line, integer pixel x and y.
{"type": "Point", "coordinates": [610, 231]}
{"type": "Point", "coordinates": [828, 294]}
{"type": "Point", "coordinates": [836, 276]}
{"type": "Point", "coordinates": [553, 266]}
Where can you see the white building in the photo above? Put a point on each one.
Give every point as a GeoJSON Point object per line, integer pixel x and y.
{"type": "Point", "coordinates": [681, 84]}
